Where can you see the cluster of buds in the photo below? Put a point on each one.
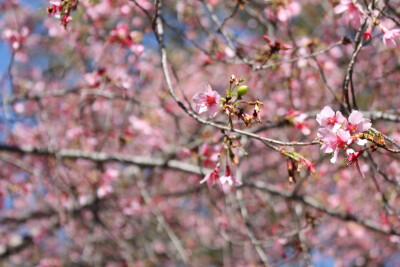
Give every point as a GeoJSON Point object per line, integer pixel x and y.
{"type": "Point", "coordinates": [209, 100]}
{"type": "Point", "coordinates": [234, 96]}
{"type": "Point", "coordinates": [295, 163]}
{"type": "Point", "coordinates": [339, 133]}
{"type": "Point", "coordinates": [277, 45]}
{"type": "Point", "coordinates": [272, 48]}
{"type": "Point", "coordinates": [62, 10]}
{"type": "Point", "coordinates": [228, 158]}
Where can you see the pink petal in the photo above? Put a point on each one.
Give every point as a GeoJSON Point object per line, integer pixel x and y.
{"type": "Point", "coordinates": [359, 169]}
{"type": "Point", "coordinates": [335, 154]}
{"type": "Point", "coordinates": [208, 88]}
{"type": "Point", "coordinates": [327, 112]}
{"type": "Point", "coordinates": [355, 117]}
{"type": "Point", "coordinates": [201, 108]}
{"type": "Point", "coordinates": [213, 111]}
{"type": "Point", "coordinates": [199, 97]}
{"type": "Point", "coordinates": [341, 8]}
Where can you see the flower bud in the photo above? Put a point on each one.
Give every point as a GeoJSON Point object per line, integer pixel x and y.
{"type": "Point", "coordinates": [242, 90]}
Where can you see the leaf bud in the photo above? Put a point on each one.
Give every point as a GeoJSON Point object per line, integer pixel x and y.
{"type": "Point", "coordinates": [242, 90]}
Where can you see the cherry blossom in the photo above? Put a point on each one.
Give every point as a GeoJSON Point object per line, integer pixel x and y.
{"type": "Point", "coordinates": [15, 38]}
{"type": "Point", "coordinates": [299, 122]}
{"type": "Point", "coordinates": [229, 178]}
{"type": "Point", "coordinates": [333, 142]}
{"type": "Point", "coordinates": [353, 158]}
{"type": "Point", "coordinates": [391, 38]}
{"type": "Point", "coordinates": [351, 13]}
{"type": "Point", "coordinates": [207, 101]}
{"type": "Point", "coordinates": [356, 123]}
{"type": "Point", "coordinates": [328, 118]}
{"type": "Point", "coordinates": [212, 178]}
{"type": "Point", "coordinates": [103, 163]}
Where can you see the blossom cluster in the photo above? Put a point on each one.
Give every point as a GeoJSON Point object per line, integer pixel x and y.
{"type": "Point", "coordinates": [209, 100]}
{"type": "Point", "coordinates": [353, 15]}
{"type": "Point", "coordinates": [225, 182]}
{"type": "Point", "coordinates": [297, 119]}
{"type": "Point", "coordinates": [15, 38]}
{"type": "Point", "coordinates": [338, 133]}
{"type": "Point", "coordinates": [121, 34]}
{"type": "Point", "coordinates": [62, 10]}
{"type": "Point", "coordinates": [227, 158]}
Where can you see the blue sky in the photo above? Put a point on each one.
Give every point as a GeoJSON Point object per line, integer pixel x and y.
{"type": "Point", "coordinates": [35, 5]}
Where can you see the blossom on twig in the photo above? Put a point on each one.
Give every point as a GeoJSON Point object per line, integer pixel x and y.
{"type": "Point", "coordinates": [207, 101]}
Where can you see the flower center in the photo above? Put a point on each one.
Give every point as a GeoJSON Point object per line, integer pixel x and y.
{"type": "Point", "coordinates": [352, 7]}
{"type": "Point", "coordinates": [332, 121]}
{"type": "Point", "coordinates": [340, 143]}
{"type": "Point", "coordinates": [351, 128]}
{"type": "Point", "coordinates": [211, 100]}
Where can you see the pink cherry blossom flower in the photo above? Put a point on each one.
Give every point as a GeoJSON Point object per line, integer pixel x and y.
{"type": "Point", "coordinates": [15, 38]}
{"type": "Point", "coordinates": [353, 158]}
{"type": "Point", "coordinates": [212, 178]}
{"type": "Point", "coordinates": [290, 10]}
{"type": "Point", "coordinates": [391, 38]}
{"type": "Point", "coordinates": [356, 123]}
{"type": "Point", "coordinates": [207, 100]}
{"type": "Point", "coordinates": [328, 118]}
{"type": "Point", "coordinates": [209, 154]}
{"type": "Point", "coordinates": [310, 165]}
{"type": "Point", "coordinates": [301, 125]}
{"type": "Point", "coordinates": [367, 34]}
{"type": "Point", "coordinates": [334, 142]}
{"type": "Point", "coordinates": [229, 178]}
{"type": "Point", "coordinates": [351, 13]}
{"type": "Point", "coordinates": [120, 34]}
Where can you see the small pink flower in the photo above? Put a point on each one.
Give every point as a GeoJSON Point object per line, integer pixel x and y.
{"type": "Point", "coordinates": [310, 165]}
{"type": "Point", "coordinates": [333, 142]}
{"type": "Point", "coordinates": [356, 123]}
{"type": "Point", "coordinates": [207, 100]}
{"type": "Point", "coordinates": [367, 34]}
{"type": "Point", "coordinates": [209, 154]}
{"type": "Point", "coordinates": [120, 34]}
{"type": "Point", "coordinates": [211, 178]}
{"type": "Point", "coordinates": [351, 13]}
{"type": "Point", "coordinates": [229, 178]}
{"type": "Point", "coordinates": [15, 38]}
{"type": "Point", "coordinates": [353, 158]}
{"type": "Point", "coordinates": [391, 38]}
{"type": "Point", "coordinates": [301, 125]}
{"type": "Point", "coordinates": [328, 118]}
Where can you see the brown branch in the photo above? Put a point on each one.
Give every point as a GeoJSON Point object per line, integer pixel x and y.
{"type": "Point", "coordinates": [103, 157]}
{"type": "Point", "coordinates": [160, 39]}
{"type": "Point", "coordinates": [318, 206]}
{"type": "Point", "coordinates": [248, 227]}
